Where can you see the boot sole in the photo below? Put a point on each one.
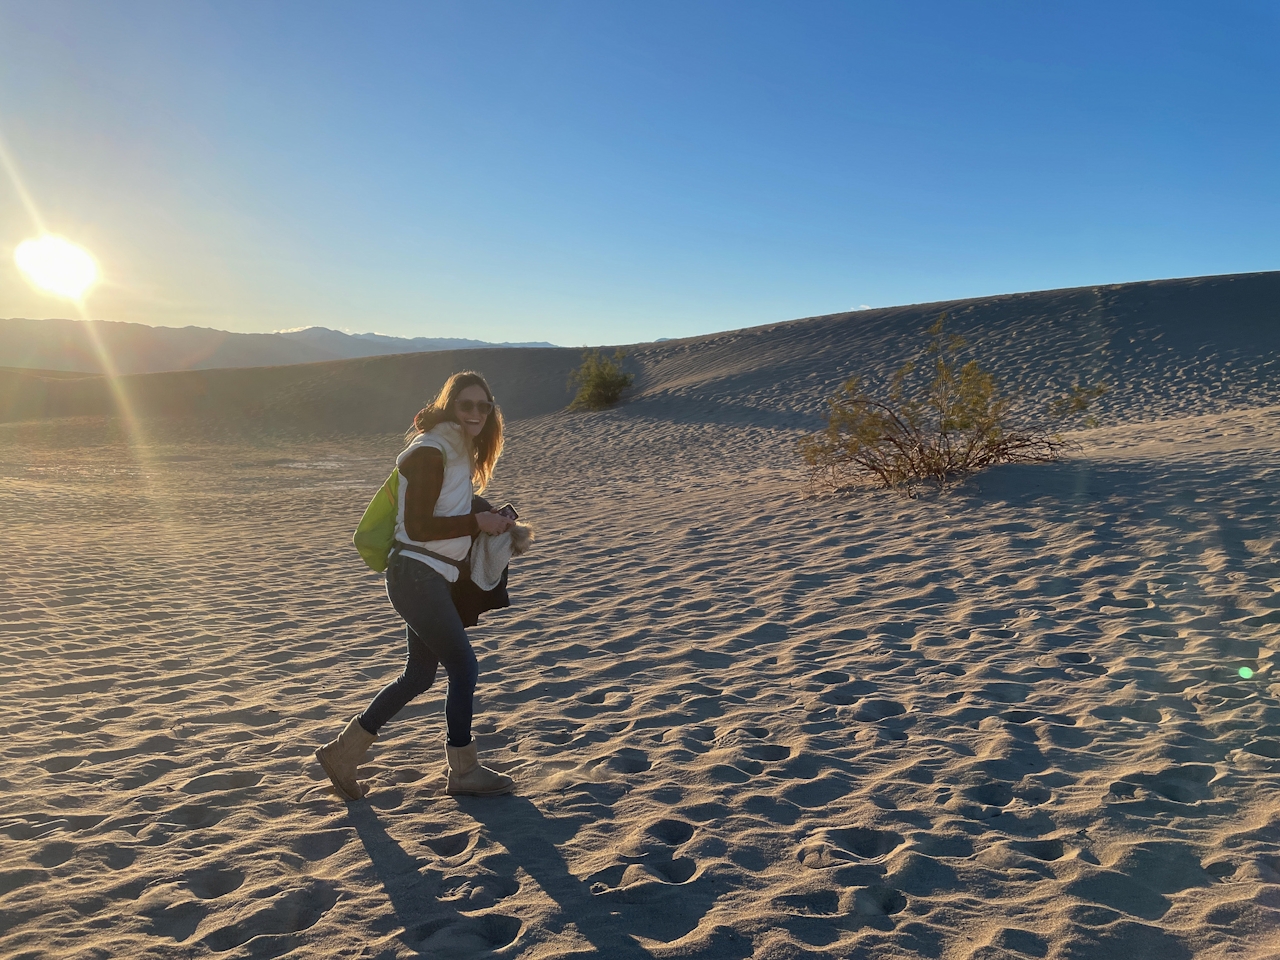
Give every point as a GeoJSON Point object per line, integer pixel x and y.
{"type": "Point", "coordinates": [334, 780]}
{"type": "Point", "coordinates": [478, 793]}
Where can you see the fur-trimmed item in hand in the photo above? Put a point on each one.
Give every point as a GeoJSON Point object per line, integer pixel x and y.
{"type": "Point", "coordinates": [490, 554]}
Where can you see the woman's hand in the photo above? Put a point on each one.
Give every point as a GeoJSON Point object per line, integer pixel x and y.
{"type": "Point", "coordinates": [494, 523]}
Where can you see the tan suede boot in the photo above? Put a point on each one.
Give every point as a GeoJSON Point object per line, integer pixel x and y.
{"type": "Point", "coordinates": [468, 778]}
{"type": "Point", "coordinates": [341, 757]}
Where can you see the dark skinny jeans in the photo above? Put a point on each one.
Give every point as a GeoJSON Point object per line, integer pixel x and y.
{"type": "Point", "coordinates": [435, 636]}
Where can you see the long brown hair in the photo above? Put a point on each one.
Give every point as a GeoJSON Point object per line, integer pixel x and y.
{"type": "Point", "coordinates": [485, 448]}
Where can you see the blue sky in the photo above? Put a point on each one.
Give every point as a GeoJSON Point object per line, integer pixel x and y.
{"type": "Point", "coordinates": [613, 172]}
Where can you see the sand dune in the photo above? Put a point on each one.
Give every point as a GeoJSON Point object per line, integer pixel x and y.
{"type": "Point", "coordinates": [1165, 347]}
{"type": "Point", "coordinates": [1009, 722]}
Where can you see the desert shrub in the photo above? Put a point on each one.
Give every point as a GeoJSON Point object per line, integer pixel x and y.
{"type": "Point", "coordinates": [600, 380]}
{"type": "Point", "coordinates": [939, 421]}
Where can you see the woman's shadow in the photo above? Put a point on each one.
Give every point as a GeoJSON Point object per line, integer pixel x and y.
{"type": "Point", "coordinates": [609, 918]}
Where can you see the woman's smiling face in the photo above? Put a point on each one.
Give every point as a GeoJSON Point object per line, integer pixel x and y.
{"type": "Point", "coordinates": [472, 407]}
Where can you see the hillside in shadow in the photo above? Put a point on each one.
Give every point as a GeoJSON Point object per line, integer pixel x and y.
{"type": "Point", "coordinates": [1163, 347]}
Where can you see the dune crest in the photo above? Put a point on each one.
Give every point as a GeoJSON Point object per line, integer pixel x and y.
{"type": "Point", "coordinates": [1166, 347]}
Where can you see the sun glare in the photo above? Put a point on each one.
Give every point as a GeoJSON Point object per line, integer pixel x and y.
{"type": "Point", "coordinates": [57, 266]}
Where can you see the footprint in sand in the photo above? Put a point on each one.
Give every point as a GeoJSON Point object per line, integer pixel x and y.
{"type": "Point", "coordinates": [114, 856]}
{"type": "Point", "coordinates": [877, 901]}
{"type": "Point", "coordinates": [1169, 866]}
{"type": "Point", "coordinates": [61, 764]}
{"type": "Point", "coordinates": [451, 844]}
{"type": "Point", "coordinates": [194, 815]}
{"type": "Point", "coordinates": [290, 912]}
{"type": "Point", "coordinates": [819, 792]}
{"type": "Point", "coordinates": [177, 921]}
{"type": "Point", "coordinates": [846, 693]}
{"type": "Point", "coordinates": [704, 812]}
{"type": "Point", "coordinates": [657, 873]}
{"type": "Point", "coordinates": [671, 832]}
{"type": "Point", "coordinates": [449, 936]}
{"type": "Point", "coordinates": [1185, 784]}
{"type": "Point", "coordinates": [209, 883]}
{"type": "Point", "coordinates": [1079, 662]}
{"type": "Point", "coordinates": [212, 782]}
{"type": "Point", "coordinates": [987, 800]}
{"type": "Point", "coordinates": [921, 875]}
{"type": "Point", "coordinates": [768, 752]}
{"type": "Point", "coordinates": [677, 870]}
{"type": "Point", "coordinates": [873, 711]}
{"type": "Point", "coordinates": [1020, 942]}
{"type": "Point", "coordinates": [428, 929]}
{"type": "Point", "coordinates": [628, 760]}
{"type": "Point", "coordinates": [992, 794]}
{"type": "Point", "coordinates": [1234, 916]}
{"type": "Point", "coordinates": [1032, 794]}
{"type": "Point", "coordinates": [1221, 869]}
{"type": "Point", "coordinates": [831, 677]}
{"type": "Point", "coordinates": [816, 903]}
{"type": "Point", "coordinates": [591, 703]}
{"type": "Point", "coordinates": [497, 930]}
{"type": "Point", "coordinates": [478, 891]}
{"type": "Point", "coordinates": [1046, 850]}
{"type": "Point", "coordinates": [1004, 692]}
{"type": "Point", "coordinates": [54, 853]}
{"type": "Point", "coordinates": [320, 845]}
{"type": "Point", "coordinates": [734, 773]}
{"type": "Point", "coordinates": [1141, 878]}
{"type": "Point", "coordinates": [607, 879]}
{"type": "Point", "coordinates": [650, 863]}
{"type": "Point", "coordinates": [1137, 712]}
{"type": "Point", "coordinates": [832, 847]}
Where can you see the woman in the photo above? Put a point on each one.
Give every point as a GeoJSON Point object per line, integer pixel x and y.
{"type": "Point", "coordinates": [452, 448]}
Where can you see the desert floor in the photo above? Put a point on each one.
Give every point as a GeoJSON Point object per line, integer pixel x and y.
{"type": "Point", "coordinates": [1005, 722]}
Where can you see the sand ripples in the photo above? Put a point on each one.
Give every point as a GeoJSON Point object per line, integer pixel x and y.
{"type": "Point", "coordinates": [1010, 722]}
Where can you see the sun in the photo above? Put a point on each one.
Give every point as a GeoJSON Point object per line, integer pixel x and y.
{"type": "Point", "coordinates": [57, 266]}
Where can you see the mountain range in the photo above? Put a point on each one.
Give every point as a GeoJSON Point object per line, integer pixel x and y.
{"type": "Point", "coordinates": [73, 346]}
{"type": "Point", "coordinates": [1163, 348]}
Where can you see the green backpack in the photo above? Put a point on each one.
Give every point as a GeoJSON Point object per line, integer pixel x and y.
{"type": "Point", "coordinates": [376, 533]}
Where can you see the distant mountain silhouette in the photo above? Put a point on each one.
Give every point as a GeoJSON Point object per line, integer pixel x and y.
{"type": "Point", "coordinates": [1165, 348]}
{"type": "Point", "coordinates": [69, 345]}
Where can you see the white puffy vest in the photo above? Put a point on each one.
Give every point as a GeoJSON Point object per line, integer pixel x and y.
{"type": "Point", "coordinates": [454, 499]}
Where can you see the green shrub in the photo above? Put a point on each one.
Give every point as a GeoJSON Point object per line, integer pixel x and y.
{"type": "Point", "coordinates": [600, 381]}
{"type": "Point", "coordinates": [939, 422]}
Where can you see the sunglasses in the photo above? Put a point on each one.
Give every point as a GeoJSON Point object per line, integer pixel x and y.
{"type": "Point", "coordinates": [482, 407]}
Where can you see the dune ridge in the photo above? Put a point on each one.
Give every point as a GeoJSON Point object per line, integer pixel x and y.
{"type": "Point", "coordinates": [1033, 718]}
{"type": "Point", "coordinates": [1164, 346]}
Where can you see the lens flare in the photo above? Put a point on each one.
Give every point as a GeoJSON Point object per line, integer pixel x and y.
{"type": "Point", "coordinates": [1246, 673]}
{"type": "Point", "coordinates": [57, 266]}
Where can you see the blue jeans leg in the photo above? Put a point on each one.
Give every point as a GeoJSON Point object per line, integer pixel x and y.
{"type": "Point", "coordinates": [435, 636]}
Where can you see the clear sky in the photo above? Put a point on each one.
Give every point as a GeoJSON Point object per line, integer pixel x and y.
{"type": "Point", "coordinates": [610, 172]}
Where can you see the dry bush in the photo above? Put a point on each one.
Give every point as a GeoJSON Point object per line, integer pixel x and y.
{"type": "Point", "coordinates": [938, 428]}
{"type": "Point", "coordinates": [600, 381]}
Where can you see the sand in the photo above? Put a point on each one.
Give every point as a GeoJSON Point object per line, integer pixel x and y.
{"type": "Point", "coordinates": [1005, 722]}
